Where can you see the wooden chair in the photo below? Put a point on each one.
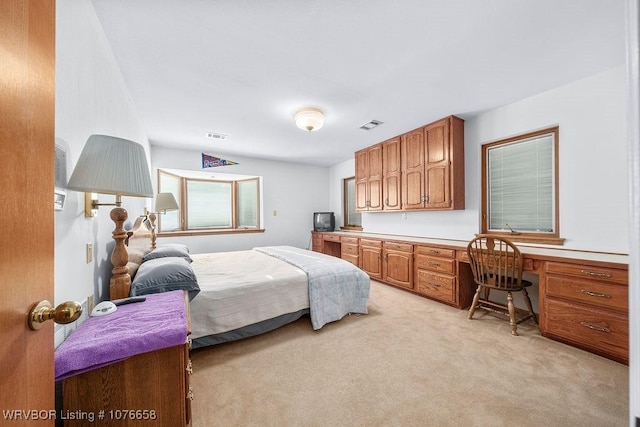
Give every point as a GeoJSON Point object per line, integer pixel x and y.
{"type": "Point", "coordinates": [496, 263]}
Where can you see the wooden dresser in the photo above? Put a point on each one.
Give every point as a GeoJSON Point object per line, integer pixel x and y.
{"type": "Point", "coordinates": [150, 388]}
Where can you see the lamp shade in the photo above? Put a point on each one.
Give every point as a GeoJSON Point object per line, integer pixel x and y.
{"type": "Point", "coordinates": [309, 118]}
{"type": "Point", "coordinates": [110, 165]}
{"type": "Point", "coordinates": [166, 202]}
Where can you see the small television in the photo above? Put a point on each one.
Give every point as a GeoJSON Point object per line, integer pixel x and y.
{"type": "Point", "coordinates": [324, 221]}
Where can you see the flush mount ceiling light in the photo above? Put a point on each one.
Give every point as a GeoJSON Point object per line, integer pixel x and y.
{"type": "Point", "coordinates": [309, 118]}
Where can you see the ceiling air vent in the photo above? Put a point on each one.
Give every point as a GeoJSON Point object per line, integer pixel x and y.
{"type": "Point", "coordinates": [218, 136]}
{"type": "Point", "coordinates": [370, 125]}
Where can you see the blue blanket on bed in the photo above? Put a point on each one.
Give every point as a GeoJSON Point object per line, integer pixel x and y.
{"type": "Point", "coordinates": [336, 287]}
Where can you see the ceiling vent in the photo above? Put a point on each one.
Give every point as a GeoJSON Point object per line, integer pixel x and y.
{"type": "Point", "coordinates": [218, 136]}
{"type": "Point", "coordinates": [370, 125]}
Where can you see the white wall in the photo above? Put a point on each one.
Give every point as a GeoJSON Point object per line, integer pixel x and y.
{"type": "Point", "coordinates": [293, 191]}
{"type": "Point", "coordinates": [593, 169]}
{"type": "Point", "coordinates": [91, 97]}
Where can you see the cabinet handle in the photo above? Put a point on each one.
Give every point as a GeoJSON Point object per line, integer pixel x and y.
{"type": "Point", "coordinates": [434, 251]}
{"type": "Point", "coordinates": [434, 264]}
{"type": "Point", "coordinates": [190, 393]}
{"type": "Point", "coordinates": [595, 327]}
{"type": "Point", "coordinates": [595, 294]}
{"type": "Point", "coordinates": [434, 284]}
{"type": "Point", "coordinates": [596, 273]}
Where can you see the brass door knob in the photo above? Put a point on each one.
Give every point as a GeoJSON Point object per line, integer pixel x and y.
{"type": "Point", "coordinates": [66, 312]}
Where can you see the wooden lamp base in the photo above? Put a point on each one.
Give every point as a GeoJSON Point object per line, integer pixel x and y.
{"type": "Point", "coordinates": [120, 284]}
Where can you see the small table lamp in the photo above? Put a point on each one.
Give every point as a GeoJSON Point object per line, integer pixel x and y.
{"type": "Point", "coordinates": [110, 165]}
{"type": "Point", "coordinates": [164, 202]}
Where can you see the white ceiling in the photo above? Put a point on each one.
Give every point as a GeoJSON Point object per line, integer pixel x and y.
{"type": "Point", "coordinates": [244, 67]}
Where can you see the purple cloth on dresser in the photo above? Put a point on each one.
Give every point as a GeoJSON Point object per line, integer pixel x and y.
{"type": "Point", "coordinates": [159, 322]}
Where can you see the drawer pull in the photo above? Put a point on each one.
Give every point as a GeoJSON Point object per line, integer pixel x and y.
{"type": "Point", "coordinates": [434, 284]}
{"type": "Point", "coordinates": [434, 251]}
{"type": "Point", "coordinates": [596, 273]}
{"type": "Point", "coordinates": [190, 393]}
{"type": "Point", "coordinates": [434, 264]}
{"type": "Point", "coordinates": [595, 327]}
{"type": "Point", "coordinates": [595, 294]}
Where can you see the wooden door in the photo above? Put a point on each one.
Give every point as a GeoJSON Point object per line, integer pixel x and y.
{"type": "Point", "coordinates": [371, 261]}
{"type": "Point", "coordinates": [27, 70]}
{"type": "Point", "coordinates": [391, 174]}
{"type": "Point", "coordinates": [412, 153]}
{"type": "Point", "coordinates": [375, 177]}
{"type": "Point", "coordinates": [362, 176]}
{"type": "Point", "coordinates": [437, 165]}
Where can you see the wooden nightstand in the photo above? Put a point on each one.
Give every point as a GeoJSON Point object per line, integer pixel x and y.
{"type": "Point", "coordinates": [148, 388]}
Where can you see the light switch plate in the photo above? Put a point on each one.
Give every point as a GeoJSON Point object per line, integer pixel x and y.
{"type": "Point", "coordinates": [89, 253]}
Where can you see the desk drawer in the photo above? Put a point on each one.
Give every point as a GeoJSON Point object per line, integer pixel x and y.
{"type": "Point", "coordinates": [331, 237]}
{"type": "Point", "coordinates": [442, 265]}
{"type": "Point", "coordinates": [349, 249]}
{"type": "Point", "coordinates": [600, 331]}
{"type": "Point", "coordinates": [371, 243]}
{"type": "Point", "coordinates": [350, 240]}
{"type": "Point", "coordinates": [436, 286]}
{"type": "Point", "coordinates": [403, 247]}
{"type": "Point", "coordinates": [434, 251]}
{"type": "Point", "coordinates": [602, 294]}
{"type": "Point", "coordinates": [589, 272]}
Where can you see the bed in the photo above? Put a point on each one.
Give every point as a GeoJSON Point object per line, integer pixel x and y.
{"type": "Point", "coordinates": [238, 294]}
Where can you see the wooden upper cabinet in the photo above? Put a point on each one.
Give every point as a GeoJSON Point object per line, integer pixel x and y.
{"type": "Point", "coordinates": [391, 164]}
{"type": "Point", "coordinates": [433, 166]}
{"type": "Point", "coordinates": [369, 178]}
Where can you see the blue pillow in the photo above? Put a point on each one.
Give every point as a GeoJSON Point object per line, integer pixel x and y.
{"type": "Point", "coordinates": [165, 274]}
{"type": "Point", "coordinates": [168, 250]}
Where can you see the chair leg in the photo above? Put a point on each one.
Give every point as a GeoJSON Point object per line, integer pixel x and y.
{"type": "Point", "coordinates": [527, 301]}
{"type": "Point", "coordinates": [474, 304]}
{"type": "Point", "coordinates": [512, 314]}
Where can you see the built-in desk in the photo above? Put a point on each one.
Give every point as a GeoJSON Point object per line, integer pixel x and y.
{"type": "Point", "coordinates": [582, 295]}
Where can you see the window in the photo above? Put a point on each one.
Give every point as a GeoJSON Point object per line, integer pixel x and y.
{"type": "Point", "coordinates": [520, 187]}
{"type": "Point", "coordinates": [226, 203]}
{"type": "Point", "coordinates": [352, 219]}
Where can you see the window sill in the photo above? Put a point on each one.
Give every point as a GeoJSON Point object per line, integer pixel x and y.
{"type": "Point", "coordinates": [180, 233]}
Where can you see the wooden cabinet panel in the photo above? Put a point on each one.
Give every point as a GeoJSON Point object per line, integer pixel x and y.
{"type": "Point", "coordinates": [350, 240]}
{"type": "Point", "coordinates": [435, 251]}
{"type": "Point", "coordinates": [328, 237]}
{"type": "Point", "coordinates": [591, 292]}
{"type": "Point", "coordinates": [398, 264]}
{"type": "Point", "coordinates": [600, 331]}
{"type": "Point", "coordinates": [438, 286]}
{"type": "Point", "coordinates": [437, 165]}
{"type": "Point", "coordinates": [589, 272]}
{"type": "Point", "coordinates": [369, 178]}
{"type": "Point", "coordinates": [316, 241]}
{"type": "Point", "coordinates": [371, 257]}
{"type": "Point", "coordinates": [442, 265]}
{"type": "Point", "coordinates": [412, 152]}
{"type": "Point", "coordinates": [391, 162]}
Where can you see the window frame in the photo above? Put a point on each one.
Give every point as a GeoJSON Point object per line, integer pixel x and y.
{"type": "Point", "coordinates": [183, 211]}
{"type": "Point", "coordinates": [345, 205]}
{"type": "Point", "coordinates": [550, 238]}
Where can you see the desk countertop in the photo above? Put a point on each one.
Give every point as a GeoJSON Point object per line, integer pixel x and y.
{"type": "Point", "coordinates": [528, 250]}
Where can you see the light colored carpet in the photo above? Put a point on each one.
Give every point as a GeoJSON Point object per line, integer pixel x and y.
{"type": "Point", "coordinates": [409, 362]}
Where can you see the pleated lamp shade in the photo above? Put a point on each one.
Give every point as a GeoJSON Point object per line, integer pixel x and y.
{"type": "Point", "coordinates": [166, 202]}
{"type": "Point", "coordinates": [110, 165]}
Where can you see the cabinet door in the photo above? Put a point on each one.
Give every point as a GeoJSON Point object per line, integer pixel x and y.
{"type": "Point", "coordinates": [375, 178]}
{"type": "Point", "coordinates": [437, 165]}
{"type": "Point", "coordinates": [412, 153]}
{"type": "Point", "coordinates": [371, 261]}
{"type": "Point", "coordinates": [398, 268]}
{"type": "Point", "coordinates": [362, 176]}
{"type": "Point", "coordinates": [391, 174]}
